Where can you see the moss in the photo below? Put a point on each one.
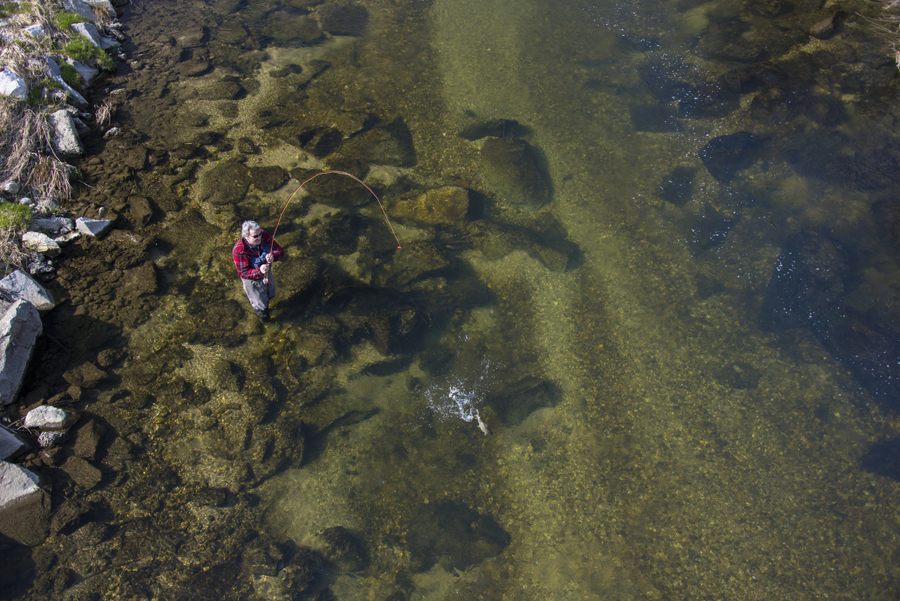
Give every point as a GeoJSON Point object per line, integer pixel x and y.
{"type": "Point", "coordinates": [82, 50]}
{"type": "Point", "coordinates": [66, 20]}
{"type": "Point", "coordinates": [14, 216]}
{"type": "Point", "coordinates": [70, 75]}
{"type": "Point", "coordinates": [37, 94]}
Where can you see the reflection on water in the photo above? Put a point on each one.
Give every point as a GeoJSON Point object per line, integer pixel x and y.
{"type": "Point", "coordinates": [670, 291]}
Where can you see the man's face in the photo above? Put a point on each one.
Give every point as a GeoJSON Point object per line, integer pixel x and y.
{"type": "Point", "coordinates": [253, 236]}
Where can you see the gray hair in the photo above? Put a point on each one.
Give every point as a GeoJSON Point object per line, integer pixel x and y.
{"type": "Point", "coordinates": [247, 226]}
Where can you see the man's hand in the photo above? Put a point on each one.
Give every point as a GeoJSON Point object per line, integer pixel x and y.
{"type": "Point", "coordinates": [270, 258]}
{"type": "Point", "coordinates": [264, 269]}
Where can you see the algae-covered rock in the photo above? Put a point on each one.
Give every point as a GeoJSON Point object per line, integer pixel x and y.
{"type": "Point", "coordinates": [225, 184]}
{"type": "Point", "coordinates": [388, 145]}
{"type": "Point", "coordinates": [447, 205]}
{"type": "Point", "coordinates": [267, 179]}
{"type": "Point", "coordinates": [512, 170]}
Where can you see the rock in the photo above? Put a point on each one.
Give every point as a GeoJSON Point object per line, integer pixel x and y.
{"type": "Point", "coordinates": [89, 32]}
{"type": "Point", "coordinates": [84, 474]}
{"type": "Point", "coordinates": [41, 243]}
{"type": "Point", "coordinates": [19, 330]}
{"type": "Point", "coordinates": [417, 261]}
{"type": "Point", "coordinates": [10, 444]}
{"type": "Point", "coordinates": [511, 170]}
{"type": "Point", "coordinates": [50, 439]}
{"type": "Point", "coordinates": [79, 7]}
{"type": "Point", "coordinates": [678, 187]}
{"type": "Point", "coordinates": [388, 145]}
{"type": "Point", "coordinates": [87, 439]}
{"type": "Point", "coordinates": [52, 225]}
{"type": "Point", "coordinates": [12, 85]}
{"type": "Point", "coordinates": [141, 211]}
{"type": "Point", "coordinates": [225, 184]}
{"type": "Point", "coordinates": [48, 418]}
{"type": "Point", "coordinates": [88, 73]}
{"type": "Point", "coordinates": [497, 240]}
{"type": "Point", "coordinates": [447, 205]}
{"type": "Point", "coordinates": [267, 179]}
{"type": "Point", "coordinates": [827, 27]}
{"type": "Point", "coordinates": [725, 155]}
{"type": "Point", "coordinates": [36, 31]}
{"type": "Point", "coordinates": [24, 508]}
{"type": "Point", "coordinates": [655, 118]}
{"type": "Point", "coordinates": [65, 137]}
{"type": "Point", "coordinates": [20, 286]}
{"type": "Point", "coordinates": [56, 75]}
{"type": "Point", "coordinates": [808, 283]}
{"type": "Point", "coordinates": [104, 5]}
{"type": "Point", "coordinates": [708, 229]}
{"type": "Point", "coordinates": [343, 18]}
{"type": "Point", "coordinates": [141, 280]}
{"type": "Point", "coordinates": [93, 227]}
{"type": "Point", "coordinates": [11, 187]}
{"type": "Point", "coordinates": [302, 571]}
{"type": "Point", "coordinates": [136, 158]}
{"type": "Point", "coordinates": [495, 128]}
{"type": "Point", "coordinates": [341, 548]}
{"type": "Point", "coordinates": [190, 38]}
{"type": "Point", "coordinates": [86, 375]}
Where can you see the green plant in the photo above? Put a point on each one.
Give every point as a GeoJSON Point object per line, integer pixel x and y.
{"type": "Point", "coordinates": [66, 20]}
{"type": "Point", "coordinates": [71, 75]}
{"type": "Point", "coordinates": [82, 50]}
{"type": "Point", "coordinates": [8, 9]}
{"type": "Point", "coordinates": [36, 97]}
{"type": "Point", "coordinates": [14, 216]}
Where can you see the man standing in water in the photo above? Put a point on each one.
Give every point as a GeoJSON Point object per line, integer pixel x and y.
{"type": "Point", "coordinates": [253, 256]}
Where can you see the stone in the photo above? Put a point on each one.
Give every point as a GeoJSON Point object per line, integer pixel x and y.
{"type": "Point", "coordinates": [36, 31]}
{"type": "Point", "coordinates": [41, 243]}
{"type": "Point", "coordinates": [12, 85]}
{"type": "Point", "coordinates": [10, 444]}
{"type": "Point", "coordinates": [708, 228]}
{"type": "Point", "coordinates": [11, 187]}
{"type": "Point", "coordinates": [20, 286]}
{"type": "Point", "coordinates": [79, 7]}
{"type": "Point", "coordinates": [87, 439]}
{"type": "Point", "coordinates": [88, 73]}
{"type": "Point", "coordinates": [511, 169]}
{"type": "Point", "coordinates": [48, 440]}
{"type": "Point", "coordinates": [20, 327]}
{"type": "Point", "coordinates": [678, 188]}
{"type": "Point", "coordinates": [47, 417]}
{"type": "Point", "coordinates": [65, 137]}
{"type": "Point", "coordinates": [93, 227]}
{"type": "Point", "coordinates": [56, 75]}
{"type": "Point", "coordinates": [341, 548]}
{"type": "Point", "coordinates": [447, 205]}
{"type": "Point", "coordinates": [141, 210]}
{"type": "Point", "coordinates": [86, 375]}
{"type": "Point", "coordinates": [140, 280]}
{"type": "Point", "coordinates": [89, 32]}
{"type": "Point", "coordinates": [388, 145]}
{"type": "Point", "coordinates": [52, 225]}
{"type": "Point", "coordinates": [725, 155]}
{"type": "Point", "coordinates": [104, 5]}
{"type": "Point", "coordinates": [24, 507]}
{"type": "Point", "coordinates": [81, 471]}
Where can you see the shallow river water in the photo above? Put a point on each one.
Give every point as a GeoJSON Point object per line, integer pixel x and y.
{"type": "Point", "coordinates": [700, 402]}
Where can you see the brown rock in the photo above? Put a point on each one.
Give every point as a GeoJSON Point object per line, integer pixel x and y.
{"type": "Point", "coordinates": [140, 280]}
{"type": "Point", "coordinates": [141, 211]}
{"type": "Point", "coordinates": [87, 438]}
{"type": "Point", "coordinates": [86, 375]}
{"type": "Point", "coordinates": [82, 472]}
{"type": "Point", "coordinates": [442, 206]}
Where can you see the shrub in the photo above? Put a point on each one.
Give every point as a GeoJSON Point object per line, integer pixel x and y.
{"type": "Point", "coordinates": [70, 75]}
{"type": "Point", "coordinates": [66, 20]}
{"type": "Point", "coordinates": [14, 216]}
{"type": "Point", "coordinates": [82, 50]}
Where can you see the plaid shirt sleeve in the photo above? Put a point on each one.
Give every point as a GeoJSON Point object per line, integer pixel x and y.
{"type": "Point", "coordinates": [242, 262]}
{"type": "Point", "coordinates": [277, 251]}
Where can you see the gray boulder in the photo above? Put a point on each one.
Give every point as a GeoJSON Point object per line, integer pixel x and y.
{"type": "Point", "coordinates": [48, 418]}
{"type": "Point", "coordinates": [93, 227]}
{"type": "Point", "coordinates": [10, 444]}
{"type": "Point", "coordinates": [79, 7]}
{"type": "Point", "coordinates": [20, 327]}
{"type": "Point", "coordinates": [20, 286]}
{"type": "Point", "coordinates": [88, 31]}
{"type": "Point", "coordinates": [41, 243]}
{"type": "Point", "coordinates": [65, 137]}
{"type": "Point", "coordinates": [89, 74]}
{"type": "Point", "coordinates": [24, 508]}
{"type": "Point", "coordinates": [12, 85]}
{"type": "Point", "coordinates": [52, 225]}
{"type": "Point", "coordinates": [56, 75]}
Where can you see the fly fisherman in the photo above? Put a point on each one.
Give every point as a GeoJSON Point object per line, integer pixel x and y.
{"type": "Point", "coordinates": [253, 256]}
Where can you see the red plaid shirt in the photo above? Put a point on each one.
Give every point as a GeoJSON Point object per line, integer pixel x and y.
{"type": "Point", "coordinates": [243, 255]}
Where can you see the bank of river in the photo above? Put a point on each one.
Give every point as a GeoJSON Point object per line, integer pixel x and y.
{"type": "Point", "coordinates": [671, 417]}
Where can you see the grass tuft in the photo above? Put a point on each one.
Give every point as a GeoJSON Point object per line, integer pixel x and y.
{"type": "Point", "coordinates": [66, 20]}
{"type": "Point", "coordinates": [82, 50]}
{"type": "Point", "coordinates": [14, 215]}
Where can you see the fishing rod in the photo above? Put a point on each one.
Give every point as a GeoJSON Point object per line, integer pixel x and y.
{"type": "Point", "coordinates": [280, 215]}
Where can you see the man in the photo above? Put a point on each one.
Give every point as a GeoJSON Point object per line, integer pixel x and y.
{"type": "Point", "coordinates": [253, 256]}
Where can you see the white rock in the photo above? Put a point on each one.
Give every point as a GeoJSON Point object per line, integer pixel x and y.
{"type": "Point", "coordinates": [93, 227]}
{"type": "Point", "coordinates": [11, 187]}
{"type": "Point", "coordinates": [16, 485]}
{"type": "Point", "coordinates": [40, 267]}
{"type": "Point", "coordinates": [65, 137]}
{"type": "Point", "coordinates": [107, 43]}
{"type": "Point", "coordinates": [68, 237]}
{"type": "Point", "coordinates": [41, 243]}
{"type": "Point", "coordinates": [20, 327]}
{"type": "Point", "coordinates": [12, 85]}
{"type": "Point", "coordinates": [26, 201]}
{"type": "Point", "coordinates": [79, 7]}
{"type": "Point", "coordinates": [10, 444]}
{"type": "Point", "coordinates": [89, 31]}
{"type": "Point", "coordinates": [113, 131]}
{"type": "Point", "coordinates": [56, 75]}
{"type": "Point", "coordinates": [89, 74]}
{"type": "Point", "coordinates": [50, 439]}
{"type": "Point", "coordinates": [52, 225]}
{"type": "Point", "coordinates": [20, 286]}
{"type": "Point", "coordinates": [36, 31]}
{"type": "Point", "coordinates": [48, 418]}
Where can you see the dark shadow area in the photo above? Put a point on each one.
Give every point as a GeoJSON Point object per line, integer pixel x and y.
{"type": "Point", "coordinates": [883, 458]}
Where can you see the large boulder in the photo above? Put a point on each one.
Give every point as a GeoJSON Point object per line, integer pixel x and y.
{"type": "Point", "coordinates": [447, 205]}
{"type": "Point", "coordinates": [20, 286]}
{"type": "Point", "coordinates": [20, 327]}
{"type": "Point", "coordinates": [65, 136]}
{"type": "Point", "coordinates": [725, 155]}
{"type": "Point", "coordinates": [24, 508]}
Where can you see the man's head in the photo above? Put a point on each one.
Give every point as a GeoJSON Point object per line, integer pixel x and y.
{"type": "Point", "coordinates": [251, 232]}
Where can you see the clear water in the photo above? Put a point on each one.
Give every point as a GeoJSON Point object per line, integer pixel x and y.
{"type": "Point", "coordinates": [652, 438]}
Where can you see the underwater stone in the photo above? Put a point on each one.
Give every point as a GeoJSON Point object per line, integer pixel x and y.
{"type": "Point", "coordinates": [725, 155]}
{"type": "Point", "coordinates": [267, 179]}
{"type": "Point", "coordinates": [343, 18]}
{"type": "Point", "coordinates": [677, 188]}
{"type": "Point", "coordinates": [388, 145]}
{"type": "Point", "coordinates": [447, 205]}
{"type": "Point", "coordinates": [84, 474]}
{"type": "Point", "coordinates": [654, 118]}
{"type": "Point", "coordinates": [225, 184]}
{"type": "Point", "coordinates": [511, 170]}
{"type": "Point", "coordinates": [708, 229]}
{"type": "Point", "coordinates": [341, 548]}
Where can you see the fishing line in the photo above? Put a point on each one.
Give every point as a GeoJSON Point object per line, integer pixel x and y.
{"type": "Point", "coordinates": [280, 215]}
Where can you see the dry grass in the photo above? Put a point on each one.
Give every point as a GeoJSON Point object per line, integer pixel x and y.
{"type": "Point", "coordinates": [104, 113]}
{"type": "Point", "coordinates": [10, 251]}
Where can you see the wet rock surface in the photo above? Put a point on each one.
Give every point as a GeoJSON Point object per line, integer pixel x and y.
{"type": "Point", "coordinates": [513, 171]}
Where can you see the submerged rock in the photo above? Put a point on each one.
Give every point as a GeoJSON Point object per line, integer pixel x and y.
{"type": "Point", "coordinates": [512, 170]}
{"type": "Point", "coordinates": [447, 205]}
{"type": "Point", "coordinates": [678, 188]}
{"type": "Point", "coordinates": [343, 18]}
{"type": "Point", "coordinates": [709, 229]}
{"type": "Point", "coordinates": [341, 548]}
{"type": "Point", "coordinates": [391, 144]}
{"type": "Point", "coordinates": [725, 155]}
